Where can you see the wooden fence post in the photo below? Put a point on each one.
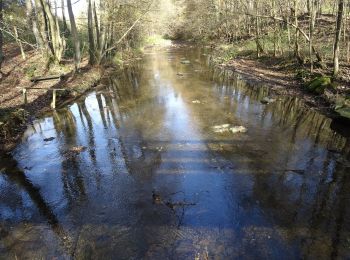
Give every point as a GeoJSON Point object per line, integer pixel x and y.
{"type": "Point", "coordinates": [53, 104]}
{"type": "Point", "coordinates": [25, 99]}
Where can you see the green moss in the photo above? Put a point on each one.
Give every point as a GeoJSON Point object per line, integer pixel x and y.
{"type": "Point", "coordinates": [319, 84]}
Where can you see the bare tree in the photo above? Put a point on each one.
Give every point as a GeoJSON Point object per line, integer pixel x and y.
{"type": "Point", "coordinates": [1, 35]}
{"type": "Point", "coordinates": [92, 50]}
{"type": "Point", "coordinates": [337, 38]}
{"type": "Point", "coordinates": [74, 31]}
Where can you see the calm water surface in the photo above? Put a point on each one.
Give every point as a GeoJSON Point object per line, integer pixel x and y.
{"type": "Point", "coordinates": [279, 191]}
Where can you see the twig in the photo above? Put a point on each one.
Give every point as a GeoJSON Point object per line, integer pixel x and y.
{"type": "Point", "coordinates": [18, 39]}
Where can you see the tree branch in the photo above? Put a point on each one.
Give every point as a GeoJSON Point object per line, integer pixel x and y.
{"type": "Point", "coordinates": [127, 32]}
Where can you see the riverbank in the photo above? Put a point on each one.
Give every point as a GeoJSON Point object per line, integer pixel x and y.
{"type": "Point", "coordinates": [285, 77]}
{"type": "Point", "coordinates": [17, 75]}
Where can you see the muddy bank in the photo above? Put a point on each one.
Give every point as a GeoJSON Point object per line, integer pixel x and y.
{"type": "Point", "coordinates": [15, 118]}
{"type": "Point", "coordinates": [284, 82]}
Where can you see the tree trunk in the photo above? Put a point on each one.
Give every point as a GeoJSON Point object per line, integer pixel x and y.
{"type": "Point", "coordinates": [258, 45]}
{"type": "Point", "coordinates": [43, 29]}
{"type": "Point", "coordinates": [32, 19]}
{"type": "Point", "coordinates": [297, 48]}
{"type": "Point", "coordinates": [337, 38]}
{"type": "Point", "coordinates": [49, 29]}
{"type": "Point", "coordinates": [75, 36]}
{"type": "Point", "coordinates": [1, 35]}
{"type": "Point", "coordinates": [275, 29]}
{"type": "Point", "coordinates": [92, 51]}
{"type": "Point", "coordinates": [57, 42]}
{"type": "Point", "coordinates": [312, 14]}
{"type": "Point", "coordinates": [98, 40]}
{"type": "Point", "coordinates": [19, 42]}
{"type": "Point", "coordinates": [64, 21]}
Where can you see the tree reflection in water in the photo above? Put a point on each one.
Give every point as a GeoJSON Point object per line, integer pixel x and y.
{"type": "Point", "coordinates": [281, 189]}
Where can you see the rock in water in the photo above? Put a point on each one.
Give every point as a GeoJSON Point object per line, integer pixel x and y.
{"type": "Point", "coordinates": [77, 149]}
{"type": "Point", "coordinates": [228, 128]}
{"type": "Point", "coordinates": [267, 100]}
{"type": "Point", "coordinates": [221, 128]}
{"type": "Point", "coordinates": [49, 139]}
{"type": "Point", "coordinates": [238, 129]}
{"type": "Point", "coordinates": [156, 197]}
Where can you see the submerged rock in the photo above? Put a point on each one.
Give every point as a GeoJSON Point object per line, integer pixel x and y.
{"type": "Point", "coordinates": [77, 149]}
{"type": "Point", "coordinates": [267, 100]}
{"type": "Point", "coordinates": [49, 139]}
{"type": "Point", "coordinates": [228, 128]}
{"type": "Point", "coordinates": [238, 129]}
{"type": "Point", "coordinates": [185, 62]}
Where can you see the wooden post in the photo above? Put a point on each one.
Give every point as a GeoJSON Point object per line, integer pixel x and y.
{"type": "Point", "coordinates": [25, 100]}
{"type": "Point", "coordinates": [53, 104]}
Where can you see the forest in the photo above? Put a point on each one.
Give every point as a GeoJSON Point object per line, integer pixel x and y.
{"type": "Point", "coordinates": [174, 129]}
{"type": "Point", "coordinates": [309, 39]}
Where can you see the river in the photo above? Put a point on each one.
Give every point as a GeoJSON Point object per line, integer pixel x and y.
{"type": "Point", "coordinates": [135, 170]}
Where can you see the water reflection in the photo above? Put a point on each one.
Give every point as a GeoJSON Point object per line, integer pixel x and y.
{"type": "Point", "coordinates": [281, 189]}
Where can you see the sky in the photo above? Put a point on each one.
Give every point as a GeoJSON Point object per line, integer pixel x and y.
{"type": "Point", "coordinates": [79, 7]}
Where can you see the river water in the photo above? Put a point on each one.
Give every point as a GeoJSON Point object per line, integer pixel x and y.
{"type": "Point", "coordinates": [136, 171]}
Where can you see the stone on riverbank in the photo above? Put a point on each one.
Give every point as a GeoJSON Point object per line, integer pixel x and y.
{"type": "Point", "coordinates": [319, 84]}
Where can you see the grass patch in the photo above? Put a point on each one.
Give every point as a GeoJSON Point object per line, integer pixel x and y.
{"type": "Point", "coordinates": [157, 40]}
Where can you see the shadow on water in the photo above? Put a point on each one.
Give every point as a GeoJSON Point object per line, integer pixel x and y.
{"type": "Point", "coordinates": [278, 191]}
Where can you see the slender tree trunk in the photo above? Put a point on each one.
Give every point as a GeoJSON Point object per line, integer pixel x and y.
{"type": "Point", "coordinates": [98, 40]}
{"type": "Point", "coordinates": [92, 56]}
{"type": "Point", "coordinates": [43, 29]}
{"type": "Point", "coordinates": [1, 35]}
{"type": "Point", "coordinates": [275, 29]}
{"type": "Point", "coordinates": [258, 46]}
{"type": "Point", "coordinates": [32, 19]}
{"type": "Point", "coordinates": [102, 31]}
{"type": "Point", "coordinates": [51, 23]}
{"type": "Point", "coordinates": [337, 38]}
{"type": "Point", "coordinates": [19, 42]}
{"type": "Point", "coordinates": [64, 21]}
{"type": "Point", "coordinates": [312, 14]}
{"type": "Point", "coordinates": [75, 35]}
{"type": "Point", "coordinates": [297, 47]}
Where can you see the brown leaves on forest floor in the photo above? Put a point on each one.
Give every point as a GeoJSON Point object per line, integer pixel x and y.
{"type": "Point", "coordinates": [255, 70]}
{"type": "Point", "coordinates": [279, 79]}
